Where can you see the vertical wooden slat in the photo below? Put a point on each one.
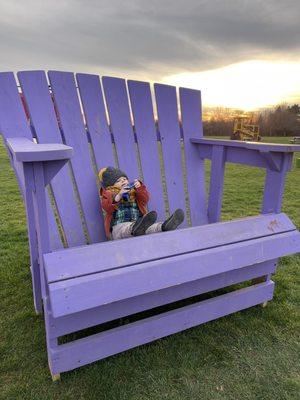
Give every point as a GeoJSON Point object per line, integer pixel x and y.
{"type": "Point", "coordinates": [191, 117]}
{"type": "Point", "coordinates": [13, 123]}
{"type": "Point", "coordinates": [35, 89]}
{"type": "Point", "coordinates": [68, 106]}
{"type": "Point", "coordinates": [141, 105]}
{"type": "Point", "coordinates": [170, 140]}
{"type": "Point", "coordinates": [120, 121]}
{"type": "Point", "coordinates": [216, 183]}
{"type": "Point", "coordinates": [94, 111]}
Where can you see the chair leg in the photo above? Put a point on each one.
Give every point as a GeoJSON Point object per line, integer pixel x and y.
{"type": "Point", "coordinates": [261, 279]}
{"type": "Point", "coordinates": [55, 377]}
{"type": "Point", "coordinates": [52, 343]}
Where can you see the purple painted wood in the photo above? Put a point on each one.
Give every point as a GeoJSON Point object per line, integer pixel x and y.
{"type": "Point", "coordinates": [274, 147]}
{"type": "Point", "coordinates": [105, 344]}
{"type": "Point", "coordinates": [121, 125]}
{"type": "Point", "coordinates": [13, 123]}
{"type": "Point", "coordinates": [95, 115]}
{"type": "Point", "coordinates": [274, 187]}
{"type": "Point", "coordinates": [68, 107]}
{"type": "Point", "coordinates": [216, 183]}
{"type": "Point", "coordinates": [191, 117]}
{"type": "Point", "coordinates": [78, 294]}
{"type": "Point", "coordinates": [41, 220]}
{"type": "Point", "coordinates": [42, 115]}
{"type": "Point", "coordinates": [33, 245]}
{"type": "Point", "coordinates": [52, 342]}
{"type": "Point", "coordinates": [141, 105]}
{"type": "Point", "coordinates": [109, 312]}
{"type": "Point", "coordinates": [71, 263]}
{"type": "Point", "coordinates": [167, 110]}
{"type": "Point", "coordinates": [252, 158]}
{"type": "Point", "coordinates": [26, 150]}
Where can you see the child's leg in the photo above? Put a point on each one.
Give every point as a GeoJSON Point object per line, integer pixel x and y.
{"type": "Point", "coordinates": [154, 228]}
{"type": "Point", "coordinates": [122, 230]}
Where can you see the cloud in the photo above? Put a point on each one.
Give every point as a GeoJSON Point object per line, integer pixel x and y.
{"type": "Point", "coordinates": [145, 39]}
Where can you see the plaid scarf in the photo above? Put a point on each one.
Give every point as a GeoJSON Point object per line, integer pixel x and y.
{"type": "Point", "coordinates": [128, 211]}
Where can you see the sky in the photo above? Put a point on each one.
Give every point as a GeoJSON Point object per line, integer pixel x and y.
{"type": "Point", "coordinates": [240, 53]}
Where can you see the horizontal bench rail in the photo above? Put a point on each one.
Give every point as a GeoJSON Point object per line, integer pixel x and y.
{"type": "Point", "coordinates": [84, 351]}
{"type": "Point", "coordinates": [77, 321]}
{"type": "Point", "coordinates": [85, 260]}
{"type": "Point", "coordinates": [89, 291]}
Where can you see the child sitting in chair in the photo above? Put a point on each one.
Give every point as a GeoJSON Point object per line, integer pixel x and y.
{"type": "Point", "coordinates": [125, 207]}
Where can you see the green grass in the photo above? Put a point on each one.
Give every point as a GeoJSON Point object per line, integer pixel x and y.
{"type": "Point", "coordinates": [253, 354]}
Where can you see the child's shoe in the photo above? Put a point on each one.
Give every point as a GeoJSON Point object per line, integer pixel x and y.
{"type": "Point", "coordinates": [173, 221]}
{"type": "Point", "coordinates": [142, 224]}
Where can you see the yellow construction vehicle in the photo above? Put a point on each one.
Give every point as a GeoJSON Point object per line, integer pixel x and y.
{"type": "Point", "coordinates": [242, 130]}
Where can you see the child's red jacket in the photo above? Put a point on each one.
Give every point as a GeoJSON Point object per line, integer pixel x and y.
{"type": "Point", "coordinates": [141, 195]}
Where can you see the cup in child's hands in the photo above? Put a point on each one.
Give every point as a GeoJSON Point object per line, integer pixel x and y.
{"type": "Point", "coordinates": [130, 185]}
{"type": "Point", "coordinates": [126, 196]}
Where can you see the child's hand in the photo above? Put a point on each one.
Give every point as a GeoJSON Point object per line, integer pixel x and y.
{"type": "Point", "coordinates": [120, 194]}
{"type": "Point", "coordinates": [137, 183]}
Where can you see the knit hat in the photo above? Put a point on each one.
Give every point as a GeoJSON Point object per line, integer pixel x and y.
{"type": "Point", "coordinates": [109, 175]}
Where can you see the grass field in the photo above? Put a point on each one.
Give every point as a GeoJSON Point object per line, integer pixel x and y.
{"type": "Point", "coordinates": [254, 354]}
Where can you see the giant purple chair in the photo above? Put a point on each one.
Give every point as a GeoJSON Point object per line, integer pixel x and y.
{"type": "Point", "coordinates": [79, 278]}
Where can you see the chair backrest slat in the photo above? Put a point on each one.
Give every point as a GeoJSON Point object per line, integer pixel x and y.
{"type": "Point", "coordinates": [42, 115]}
{"type": "Point", "coordinates": [95, 116]}
{"type": "Point", "coordinates": [142, 109]}
{"type": "Point", "coordinates": [191, 117]}
{"type": "Point", "coordinates": [120, 122]}
{"type": "Point", "coordinates": [71, 119]}
{"type": "Point", "coordinates": [169, 129]}
{"type": "Point", "coordinates": [13, 123]}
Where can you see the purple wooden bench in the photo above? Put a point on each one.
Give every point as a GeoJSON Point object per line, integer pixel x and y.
{"type": "Point", "coordinates": [81, 280]}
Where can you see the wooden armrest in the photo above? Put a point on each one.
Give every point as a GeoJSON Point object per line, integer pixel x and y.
{"type": "Point", "coordinates": [263, 147]}
{"type": "Point", "coordinates": [25, 150]}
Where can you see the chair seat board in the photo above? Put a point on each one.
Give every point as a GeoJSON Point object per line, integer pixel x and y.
{"type": "Point", "coordinates": [40, 105]}
{"type": "Point", "coordinates": [84, 260]}
{"type": "Point", "coordinates": [142, 109]}
{"type": "Point", "coordinates": [121, 125]}
{"type": "Point", "coordinates": [14, 124]}
{"type": "Point", "coordinates": [68, 106]}
{"type": "Point", "coordinates": [96, 121]}
{"type": "Point", "coordinates": [168, 122]}
{"type": "Point", "coordinates": [86, 350]}
{"type": "Point", "coordinates": [77, 294]}
{"type": "Point", "coordinates": [191, 118]}
{"type": "Point", "coordinates": [74, 322]}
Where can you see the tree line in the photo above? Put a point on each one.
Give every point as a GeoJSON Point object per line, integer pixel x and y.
{"type": "Point", "coordinates": [281, 120]}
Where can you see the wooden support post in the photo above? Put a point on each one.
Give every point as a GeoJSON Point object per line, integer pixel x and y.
{"type": "Point", "coordinates": [33, 245]}
{"type": "Point", "coordinates": [274, 186]}
{"type": "Point", "coordinates": [216, 183]}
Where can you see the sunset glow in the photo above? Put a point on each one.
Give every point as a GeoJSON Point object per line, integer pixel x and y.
{"type": "Point", "coordinates": [248, 85]}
